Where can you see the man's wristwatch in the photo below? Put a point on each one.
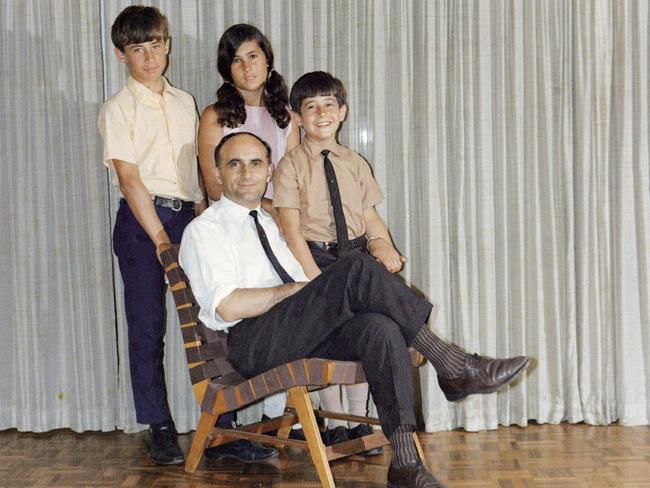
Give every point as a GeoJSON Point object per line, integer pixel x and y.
{"type": "Point", "coordinates": [369, 239]}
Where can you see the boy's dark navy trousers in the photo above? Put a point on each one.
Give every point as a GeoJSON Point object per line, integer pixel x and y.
{"type": "Point", "coordinates": [144, 302]}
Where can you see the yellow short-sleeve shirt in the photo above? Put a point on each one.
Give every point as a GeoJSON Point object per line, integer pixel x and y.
{"type": "Point", "coordinates": [157, 132]}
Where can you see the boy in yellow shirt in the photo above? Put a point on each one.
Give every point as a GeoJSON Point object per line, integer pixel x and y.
{"type": "Point", "coordinates": [149, 129]}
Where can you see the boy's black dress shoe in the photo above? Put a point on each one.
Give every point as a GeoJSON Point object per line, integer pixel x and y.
{"type": "Point", "coordinates": [163, 446]}
{"type": "Point", "coordinates": [242, 450]}
{"type": "Point", "coordinates": [482, 375]}
{"type": "Point", "coordinates": [412, 476]}
{"type": "Point", "coordinates": [334, 436]}
{"type": "Point", "coordinates": [297, 434]}
{"type": "Point", "coordinates": [361, 430]}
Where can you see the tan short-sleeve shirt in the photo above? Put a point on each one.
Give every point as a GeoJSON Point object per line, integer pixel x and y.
{"type": "Point", "coordinates": [299, 182]}
{"type": "Point", "coordinates": [157, 132]}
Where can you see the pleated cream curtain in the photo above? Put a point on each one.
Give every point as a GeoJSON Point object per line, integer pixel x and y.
{"type": "Point", "coordinates": [511, 141]}
{"type": "Point", "coordinates": [58, 355]}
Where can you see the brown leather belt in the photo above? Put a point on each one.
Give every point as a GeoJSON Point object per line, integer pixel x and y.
{"type": "Point", "coordinates": [333, 245]}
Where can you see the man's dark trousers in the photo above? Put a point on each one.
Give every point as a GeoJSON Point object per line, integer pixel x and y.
{"type": "Point", "coordinates": [355, 310]}
{"type": "Point", "coordinates": [144, 302]}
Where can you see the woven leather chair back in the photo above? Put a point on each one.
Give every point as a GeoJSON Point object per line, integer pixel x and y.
{"type": "Point", "coordinates": [205, 349]}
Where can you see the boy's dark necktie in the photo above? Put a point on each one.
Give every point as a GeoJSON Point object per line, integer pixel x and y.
{"type": "Point", "coordinates": [335, 196]}
{"type": "Point", "coordinates": [284, 276]}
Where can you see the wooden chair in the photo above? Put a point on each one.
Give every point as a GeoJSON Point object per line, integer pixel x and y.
{"type": "Point", "coordinates": [219, 388]}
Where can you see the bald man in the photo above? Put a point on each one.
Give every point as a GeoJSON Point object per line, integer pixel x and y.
{"type": "Point", "coordinates": [249, 284]}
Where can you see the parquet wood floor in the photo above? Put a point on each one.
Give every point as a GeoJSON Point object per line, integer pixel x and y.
{"type": "Point", "coordinates": [540, 456]}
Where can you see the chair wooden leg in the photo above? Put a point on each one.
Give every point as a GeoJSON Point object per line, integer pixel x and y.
{"type": "Point", "coordinates": [418, 446]}
{"type": "Point", "coordinates": [299, 399]}
{"type": "Point", "coordinates": [283, 432]}
{"type": "Point", "coordinates": [203, 430]}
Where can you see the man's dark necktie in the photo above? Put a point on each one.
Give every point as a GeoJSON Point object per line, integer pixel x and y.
{"type": "Point", "coordinates": [335, 196]}
{"type": "Point", "coordinates": [284, 276]}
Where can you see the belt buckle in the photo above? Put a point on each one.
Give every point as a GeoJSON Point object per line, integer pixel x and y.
{"type": "Point", "coordinates": [330, 246]}
{"type": "Point", "coordinates": [177, 205]}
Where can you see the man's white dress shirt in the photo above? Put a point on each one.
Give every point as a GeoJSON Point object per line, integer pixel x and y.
{"type": "Point", "coordinates": [221, 252]}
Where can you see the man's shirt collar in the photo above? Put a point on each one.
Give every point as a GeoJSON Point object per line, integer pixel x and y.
{"type": "Point", "coordinates": [238, 212]}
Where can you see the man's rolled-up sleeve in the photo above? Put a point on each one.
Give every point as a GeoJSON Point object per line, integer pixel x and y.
{"type": "Point", "coordinates": [212, 270]}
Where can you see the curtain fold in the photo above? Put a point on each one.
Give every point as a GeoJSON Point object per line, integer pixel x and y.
{"type": "Point", "coordinates": [510, 139]}
{"type": "Point", "coordinates": [58, 352]}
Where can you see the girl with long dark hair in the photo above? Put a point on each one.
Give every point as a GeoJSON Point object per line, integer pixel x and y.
{"type": "Point", "coordinates": [252, 98]}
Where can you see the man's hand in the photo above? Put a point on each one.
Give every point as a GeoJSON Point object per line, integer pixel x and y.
{"type": "Point", "coordinates": [386, 254]}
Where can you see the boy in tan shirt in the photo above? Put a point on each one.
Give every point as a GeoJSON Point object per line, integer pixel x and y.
{"type": "Point", "coordinates": [310, 224]}
{"type": "Point", "coordinates": [326, 196]}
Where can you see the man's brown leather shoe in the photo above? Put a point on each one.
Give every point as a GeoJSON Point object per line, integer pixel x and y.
{"type": "Point", "coordinates": [412, 476]}
{"type": "Point", "coordinates": [482, 375]}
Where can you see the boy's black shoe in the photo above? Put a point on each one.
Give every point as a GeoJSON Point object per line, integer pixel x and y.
{"type": "Point", "coordinates": [412, 476]}
{"type": "Point", "coordinates": [242, 450]}
{"type": "Point", "coordinates": [297, 434]}
{"type": "Point", "coordinates": [334, 436]}
{"type": "Point", "coordinates": [361, 430]}
{"type": "Point", "coordinates": [163, 446]}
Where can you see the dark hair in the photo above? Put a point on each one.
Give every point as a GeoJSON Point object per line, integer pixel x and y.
{"type": "Point", "coordinates": [314, 84]}
{"type": "Point", "coordinates": [224, 139]}
{"type": "Point", "coordinates": [137, 24]}
{"type": "Point", "coordinates": [231, 111]}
